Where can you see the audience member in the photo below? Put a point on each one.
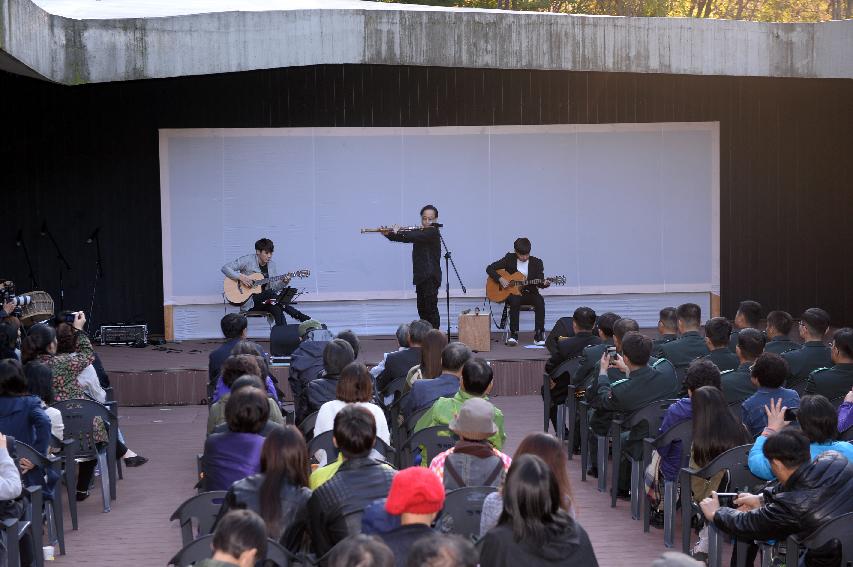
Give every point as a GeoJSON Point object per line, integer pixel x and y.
{"type": "Point", "coordinates": [337, 354]}
{"type": "Point", "coordinates": [216, 414]}
{"type": "Point", "coordinates": [10, 480]}
{"type": "Point", "coordinates": [642, 386]}
{"type": "Point", "coordinates": [66, 343]}
{"type": "Point", "coordinates": [477, 380]}
{"type": "Point", "coordinates": [241, 363]}
{"type": "Point", "coordinates": [690, 345]}
{"type": "Point", "coordinates": [262, 358]}
{"type": "Point", "coordinates": [234, 328]}
{"type": "Point", "coordinates": [817, 420]}
{"type": "Point", "coordinates": [808, 494]}
{"type": "Point", "coordinates": [402, 335]}
{"type": "Point", "coordinates": [40, 385]}
{"type": "Point", "coordinates": [551, 451]}
{"type": "Point", "coordinates": [349, 336]}
{"type": "Point", "coordinates": [361, 551]}
{"type": "Point", "coordinates": [398, 364]}
{"type": "Point", "coordinates": [355, 386]}
{"type": "Point", "coordinates": [845, 413]}
{"type": "Point", "coordinates": [717, 332]}
{"type": "Point", "coordinates": [425, 392]}
{"type": "Point", "coordinates": [239, 539]}
{"type": "Point", "coordinates": [590, 356]}
{"type": "Point", "coordinates": [306, 363]}
{"type": "Point", "coordinates": [748, 316]}
{"type": "Point", "coordinates": [430, 365]}
{"type": "Point", "coordinates": [568, 348]}
{"type": "Point", "coordinates": [473, 460]}
{"type": "Point", "coordinates": [533, 528]}
{"type": "Point", "coordinates": [813, 354]}
{"type": "Point", "coordinates": [833, 383]}
{"type": "Point", "coordinates": [667, 326]}
{"type": "Point", "coordinates": [443, 551]}
{"type": "Point", "coordinates": [417, 496]}
{"type": "Point", "coordinates": [335, 507]}
{"type": "Point", "coordinates": [768, 376]}
{"type": "Point", "coordinates": [8, 339]}
{"type": "Point", "coordinates": [562, 329]}
{"type": "Point", "coordinates": [620, 328]}
{"type": "Point", "coordinates": [779, 325]}
{"type": "Point", "coordinates": [737, 384]}
{"type": "Point", "coordinates": [236, 454]}
{"type": "Point", "coordinates": [279, 493]}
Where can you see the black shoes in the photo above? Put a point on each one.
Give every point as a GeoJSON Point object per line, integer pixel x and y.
{"type": "Point", "coordinates": [136, 461]}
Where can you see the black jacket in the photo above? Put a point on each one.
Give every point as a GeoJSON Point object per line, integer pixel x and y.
{"type": "Point", "coordinates": [293, 522]}
{"type": "Point", "coordinates": [817, 492]}
{"type": "Point", "coordinates": [426, 253]}
{"type": "Point", "coordinates": [322, 390]}
{"type": "Point", "coordinates": [397, 365]}
{"type": "Point", "coordinates": [306, 364]}
{"type": "Point", "coordinates": [535, 270]}
{"type": "Point", "coordinates": [401, 539]}
{"type": "Point", "coordinates": [562, 329]}
{"type": "Point", "coordinates": [567, 348]}
{"type": "Point", "coordinates": [217, 357]}
{"type": "Point", "coordinates": [357, 483]}
{"type": "Point", "coordinates": [566, 544]}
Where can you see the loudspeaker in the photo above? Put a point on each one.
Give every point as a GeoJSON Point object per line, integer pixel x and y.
{"type": "Point", "coordinates": [284, 339]}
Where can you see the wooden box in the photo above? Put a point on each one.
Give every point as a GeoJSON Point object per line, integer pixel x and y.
{"type": "Point", "coordinates": [475, 330]}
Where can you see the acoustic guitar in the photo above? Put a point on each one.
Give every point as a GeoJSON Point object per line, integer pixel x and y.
{"type": "Point", "coordinates": [237, 293]}
{"type": "Point", "coordinates": [497, 294]}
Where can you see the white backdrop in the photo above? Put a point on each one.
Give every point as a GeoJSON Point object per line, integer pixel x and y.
{"type": "Point", "coordinates": [620, 210]}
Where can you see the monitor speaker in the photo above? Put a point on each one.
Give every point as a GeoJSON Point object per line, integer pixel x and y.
{"type": "Point", "coordinates": [284, 339]}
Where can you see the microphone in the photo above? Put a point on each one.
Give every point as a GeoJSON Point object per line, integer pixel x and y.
{"type": "Point", "coordinates": [19, 237]}
{"type": "Point", "coordinates": [43, 231]}
{"type": "Point", "coordinates": [436, 224]}
{"type": "Point", "coordinates": [93, 236]}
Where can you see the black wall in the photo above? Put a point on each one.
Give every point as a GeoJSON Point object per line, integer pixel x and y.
{"type": "Point", "coordinates": [87, 156]}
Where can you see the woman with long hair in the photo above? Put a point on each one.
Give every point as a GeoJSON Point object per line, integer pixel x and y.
{"type": "Point", "coordinates": [40, 384]}
{"type": "Point", "coordinates": [549, 449]}
{"type": "Point", "coordinates": [430, 366]}
{"type": "Point", "coordinates": [533, 528]}
{"type": "Point", "coordinates": [279, 493]}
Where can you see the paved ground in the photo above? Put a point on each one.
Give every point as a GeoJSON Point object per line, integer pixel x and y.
{"type": "Point", "coordinates": [137, 531]}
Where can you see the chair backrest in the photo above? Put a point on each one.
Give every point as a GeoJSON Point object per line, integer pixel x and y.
{"type": "Point", "coordinates": [395, 387]}
{"type": "Point", "coordinates": [841, 529]}
{"type": "Point", "coordinates": [306, 426]}
{"type": "Point", "coordinates": [435, 440]}
{"type": "Point", "coordinates": [412, 420]}
{"type": "Point", "coordinates": [682, 432]}
{"type": "Point", "coordinates": [204, 508]}
{"type": "Point", "coordinates": [462, 510]}
{"type": "Point", "coordinates": [568, 366]}
{"type": "Point", "coordinates": [25, 451]}
{"type": "Point", "coordinates": [78, 416]}
{"type": "Point", "coordinates": [652, 413]}
{"type": "Point", "coordinates": [201, 548]}
{"type": "Point", "coordinates": [736, 461]}
{"type": "Point", "coordinates": [846, 435]}
{"type": "Point", "coordinates": [323, 442]}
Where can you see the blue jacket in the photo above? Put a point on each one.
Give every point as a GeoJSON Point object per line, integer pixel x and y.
{"type": "Point", "coordinates": [670, 455]}
{"type": "Point", "coordinates": [760, 466]}
{"type": "Point", "coordinates": [754, 416]}
{"type": "Point", "coordinates": [425, 392]}
{"type": "Point", "coordinates": [22, 418]}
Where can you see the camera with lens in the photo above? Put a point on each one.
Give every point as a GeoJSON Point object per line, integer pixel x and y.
{"type": "Point", "coordinates": [7, 295]}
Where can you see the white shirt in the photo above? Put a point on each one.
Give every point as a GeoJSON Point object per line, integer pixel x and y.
{"type": "Point", "coordinates": [326, 420]}
{"type": "Point", "coordinates": [10, 479]}
{"type": "Point", "coordinates": [522, 267]}
{"type": "Point", "coordinates": [88, 379]}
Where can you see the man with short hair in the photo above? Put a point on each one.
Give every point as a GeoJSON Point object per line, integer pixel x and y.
{"type": "Point", "coordinates": [357, 480]}
{"type": "Point", "coordinates": [835, 382]}
{"type": "Point", "coordinates": [620, 328]}
{"type": "Point", "coordinates": [337, 354]}
{"type": "Point", "coordinates": [269, 299]}
{"type": "Point", "coordinates": [768, 375]}
{"type": "Point", "coordinates": [417, 496]}
{"type": "Point", "coordinates": [520, 260]}
{"type": "Point", "coordinates": [737, 384]}
{"type": "Point", "coordinates": [402, 335]}
{"type": "Point", "coordinates": [813, 354]}
{"type": "Point", "coordinates": [234, 328]}
{"type": "Point", "coordinates": [398, 364]}
{"type": "Point", "coordinates": [690, 345]}
{"type": "Point", "coordinates": [477, 382]}
{"type": "Point", "coordinates": [717, 331]}
{"type": "Point", "coordinates": [240, 539]}
{"type": "Point", "coordinates": [667, 326]}
{"type": "Point", "coordinates": [748, 316]}
{"type": "Point", "coordinates": [808, 495]}
{"type": "Point", "coordinates": [424, 392]}
{"type": "Point", "coordinates": [779, 325]}
{"type": "Point", "coordinates": [592, 354]}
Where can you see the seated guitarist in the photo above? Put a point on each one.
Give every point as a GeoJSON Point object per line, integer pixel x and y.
{"type": "Point", "coordinates": [532, 268]}
{"type": "Point", "coordinates": [268, 299]}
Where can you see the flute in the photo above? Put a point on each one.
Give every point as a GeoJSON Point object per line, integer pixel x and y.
{"type": "Point", "coordinates": [389, 229]}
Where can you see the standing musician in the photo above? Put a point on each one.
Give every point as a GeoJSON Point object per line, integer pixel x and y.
{"type": "Point", "coordinates": [426, 262]}
{"type": "Point", "coordinates": [268, 299]}
{"type": "Point", "coordinates": [532, 267]}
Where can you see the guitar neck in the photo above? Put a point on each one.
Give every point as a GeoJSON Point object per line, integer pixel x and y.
{"type": "Point", "coordinates": [274, 279]}
{"type": "Point", "coordinates": [531, 282]}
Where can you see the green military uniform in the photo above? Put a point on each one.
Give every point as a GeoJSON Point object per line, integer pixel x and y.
{"type": "Point", "coordinates": [684, 350]}
{"type": "Point", "coordinates": [803, 361]}
{"type": "Point", "coordinates": [590, 356]}
{"type": "Point", "coordinates": [737, 384]}
{"type": "Point", "coordinates": [733, 340]}
{"type": "Point", "coordinates": [663, 339]}
{"type": "Point", "coordinates": [833, 383]}
{"type": "Point", "coordinates": [780, 344]}
{"type": "Point", "coordinates": [723, 358]}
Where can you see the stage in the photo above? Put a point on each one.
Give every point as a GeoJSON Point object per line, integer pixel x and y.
{"type": "Point", "coordinates": [176, 373]}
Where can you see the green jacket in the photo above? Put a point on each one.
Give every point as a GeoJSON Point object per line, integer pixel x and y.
{"type": "Point", "coordinates": [683, 350]}
{"type": "Point", "coordinates": [833, 383]}
{"type": "Point", "coordinates": [737, 384]}
{"type": "Point", "coordinates": [445, 409]}
{"type": "Point", "coordinates": [805, 360]}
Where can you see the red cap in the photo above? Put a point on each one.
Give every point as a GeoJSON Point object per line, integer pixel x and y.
{"type": "Point", "coordinates": [415, 490]}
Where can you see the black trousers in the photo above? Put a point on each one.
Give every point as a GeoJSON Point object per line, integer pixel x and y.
{"type": "Point", "coordinates": [427, 292]}
{"type": "Point", "coordinates": [516, 301]}
{"type": "Point", "coordinates": [274, 309]}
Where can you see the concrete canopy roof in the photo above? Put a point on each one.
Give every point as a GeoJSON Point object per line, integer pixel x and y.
{"type": "Point", "coordinates": [86, 41]}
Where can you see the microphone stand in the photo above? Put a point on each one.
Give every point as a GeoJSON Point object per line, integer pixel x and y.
{"type": "Point", "coordinates": [448, 259]}
{"type": "Point", "coordinates": [99, 273]}
{"type": "Point", "coordinates": [23, 245]}
{"type": "Point", "coordinates": [63, 264]}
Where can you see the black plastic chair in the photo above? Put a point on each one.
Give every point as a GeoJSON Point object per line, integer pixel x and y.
{"type": "Point", "coordinates": [393, 416]}
{"type": "Point", "coordinates": [204, 508]}
{"type": "Point", "coordinates": [846, 435]}
{"type": "Point", "coordinates": [396, 387]}
{"type": "Point", "coordinates": [201, 548]}
{"type": "Point", "coordinates": [53, 510]}
{"type": "Point", "coordinates": [434, 440]}
{"type": "Point", "coordinates": [323, 442]}
{"type": "Point", "coordinates": [462, 510]}
{"type": "Point", "coordinates": [567, 419]}
{"type": "Point", "coordinates": [840, 528]}
{"type": "Point", "coordinates": [569, 366]}
{"type": "Point", "coordinates": [736, 462]}
{"type": "Point", "coordinates": [583, 427]}
{"type": "Point", "coordinates": [15, 529]}
{"type": "Point", "coordinates": [78, 416]}
{"type": "Point", "coordinates": [306, 426]}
